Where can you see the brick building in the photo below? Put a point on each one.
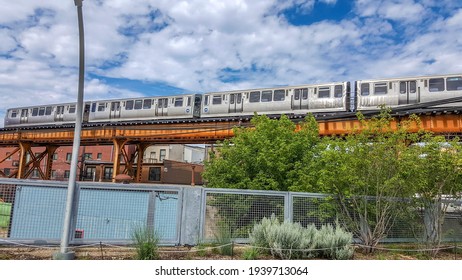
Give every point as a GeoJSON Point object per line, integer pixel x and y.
{"type": "Point", "coordinates": [168, 164]}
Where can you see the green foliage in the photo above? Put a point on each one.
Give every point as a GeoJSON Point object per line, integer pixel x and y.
{"type": "Point", "coordinates": [363, 172]}
{"type": "Point", "coordinates": [146, 243]}
{"type": "Point", "coordinates": [224, 239]}
{"type": "Point", "coordinates": [373, 174]}
{"type": "Point", "coordinates": [250, 254]}
{"type": "Point", "coordinates": [292, 241]}
{"type": "Point", "coordinates": [436, 176]}
{"type": "Point", "coordinates": [5, 212]}
{"type": "Point", "coordinates": [336, 240]}
{"type": "Point", "coordinates": [261, 158]}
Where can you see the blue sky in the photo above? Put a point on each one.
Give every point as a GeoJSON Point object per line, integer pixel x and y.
{"type": "Point", "coordinates": [163, 47]}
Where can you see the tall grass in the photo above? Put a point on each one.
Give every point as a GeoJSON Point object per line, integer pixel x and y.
{"type": "Point", "coordinates": [146, 242]}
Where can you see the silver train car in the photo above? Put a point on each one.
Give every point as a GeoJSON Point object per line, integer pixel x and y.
{"type": "Point", "coordinates": [315, 98]}
{"type": "Point", "coordinates": [328, 97]}
{"type": "Point", "coordinates": [396, 92]}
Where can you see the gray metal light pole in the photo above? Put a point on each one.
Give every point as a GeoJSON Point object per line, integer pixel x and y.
{"type": "Point", "coordinates": [64, 253]}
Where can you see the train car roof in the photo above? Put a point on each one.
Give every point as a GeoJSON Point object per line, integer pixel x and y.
{"type": "Point", "coordinates": [277, 87]}
{"type": "Point", "coordinates": [410, 78]}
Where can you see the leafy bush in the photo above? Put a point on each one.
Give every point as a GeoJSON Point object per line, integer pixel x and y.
{"type": "Point", "coordinates": [334, 242]}
{"type": "Point", "coordinates": [146, 242]}
{"type": "Point", "coordinates": [291, 240]}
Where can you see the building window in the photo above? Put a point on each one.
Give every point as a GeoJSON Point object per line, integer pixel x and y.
{"type": "Point", "coordinates": [154, 174]}
{"type": "Point", "coordinates": [55, 156]}
{"type": "Point", "coordinates": [53, 174]}
{"type": "Point", "coordinates": [68, 157]}
{"type": "Point", "coordinates": [34, 174]}
{"type": "Point", "coordinates": [99, 156]}
{"type": "Point", "coordinates": [67, 173]}
{"type": "Point", "coordinates": [8, 154]}
{"type": "Point", "coordinates": [108, 173]}
{"type": "Point", "coordinates": [87, 156]}
{"type": "Point", "coordinates": [6, 171]}
{"type": "Point", "coordinates": [163, 154]}
{"type": "Point", "coordinates": [90, 172]}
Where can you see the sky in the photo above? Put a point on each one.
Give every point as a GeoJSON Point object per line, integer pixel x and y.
{"type": "Point", "coordinates": [166, 47]}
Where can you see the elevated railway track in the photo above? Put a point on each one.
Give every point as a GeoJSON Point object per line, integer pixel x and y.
{"type": "Point", "coordinates": [142, 134]}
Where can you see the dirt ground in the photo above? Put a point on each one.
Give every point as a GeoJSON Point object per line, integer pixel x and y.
{"type": "Point", "coordinates": [106, 252]}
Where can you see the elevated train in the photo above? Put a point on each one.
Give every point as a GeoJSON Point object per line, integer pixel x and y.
{"type": "Point", "coordinates": [302, 99]}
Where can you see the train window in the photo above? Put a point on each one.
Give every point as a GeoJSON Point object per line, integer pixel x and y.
{"type": "Point", "coordinates": [93, 107]}
{"type": "Point", "coordinates": [239, 98]}
{"type": "Point", "coordinates": [402, 87]}
{"type": "Point", "coordinates": [48, 111]}
{"type": "Point", "coordinates": [189, 101]}
{"type": "Point", "coordinates": [324, 92]}
{"type": "Point", "coordinates": [254, 96]}
{"type": "Point", "coordinates": [365, 89]}
{"type": "Point", "coordinates": [338, 91]}
{"type": "Point", "coordinates": [380, 88]}
{"type": "Point", "coordinates": [72, 109]}
{"type": "Point", "coordinates": [279, 95]}
{"type": "Point", "coordinates": [34, 112]}
{"type": "Point", "coordinates": [454, 83]}
{"type": "Point", "coordinates": [147, 104]}
{"type": "Point", "coordinates": [231, 99]}
{"type": "Point", "coordinates": [297, 94]}
{"type": "Point", "coordinates": [138, 104]}
{"type": "Point", "coordinates": [216, 100]}
{"type": "Point", "coordinates": [267, 96]}
{"type": "Point", "coordinates": [304, 93]}
{"type": "Point", "coordinates": [14, 113]}
{"type": "Point", "coordinates": [206, 100]}
{"type": "Point", "coordinates": [129, 105]}
{"type": "Point", "coordinates": [436, 84]}
{"type": "Point", "coordinates": [179, 102]}
{"type": "Point", "coordinates": [412, 87]}
{"type": "Point", "coordinates": [101, 107]}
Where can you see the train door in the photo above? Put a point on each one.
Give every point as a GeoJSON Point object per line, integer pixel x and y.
{"type": "Point", "coordinates": [300, 99]}
{"type": "Point", "coordinates": [59, 115]}
{"type": "Point", "coordinates": [86, 112]}
{"type": "Point", "coordinates": [24, 115]}
{"type": "Point", "coordinates": [235, 103]}
{"type": "Point", "coordinates": [408, 92]}
{"type": "Point", "coordinates": [161, 109]}
{"type": "Point", "coordinates": [115, 110]}
{"type": "Point", "coordinates": [197, 106]}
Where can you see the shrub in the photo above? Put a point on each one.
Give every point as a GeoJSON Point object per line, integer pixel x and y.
{"type": "Point", "coordinates": [146, 243]}
{"type": "Point", "coordinates": [334, 242]}
{"type": "Point", "coordinates": [291, 240]}
{"type": "Point", "coordinates": [250, 254]}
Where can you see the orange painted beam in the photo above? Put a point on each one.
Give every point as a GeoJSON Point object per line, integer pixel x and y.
{"type": "Point", "coordinates": [201, 132]}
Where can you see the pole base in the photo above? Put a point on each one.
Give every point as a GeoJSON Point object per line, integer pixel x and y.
{"type": "Point", "coordinates": [64, 256]}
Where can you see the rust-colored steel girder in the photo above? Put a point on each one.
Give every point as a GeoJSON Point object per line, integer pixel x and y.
{"type": "Point", "coordinates": [194, 132]}
{"type": "Point", "coordinates": [205, 132]}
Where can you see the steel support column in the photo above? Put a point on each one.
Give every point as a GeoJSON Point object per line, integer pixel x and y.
{"type": "Point", "coordinates": [25, 148]}
{"type": "Point", "coordinates": [118, 147]}
{"type": "Point", "coordinates": [141, 148]}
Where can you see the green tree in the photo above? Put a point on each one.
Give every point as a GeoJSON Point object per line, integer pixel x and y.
{"type": "Point", "coordinates": [436, 177]}
{"type": "Point", "coordinates": [262, 157]}
{"type": "Point", "coordinates": [362, 172]}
